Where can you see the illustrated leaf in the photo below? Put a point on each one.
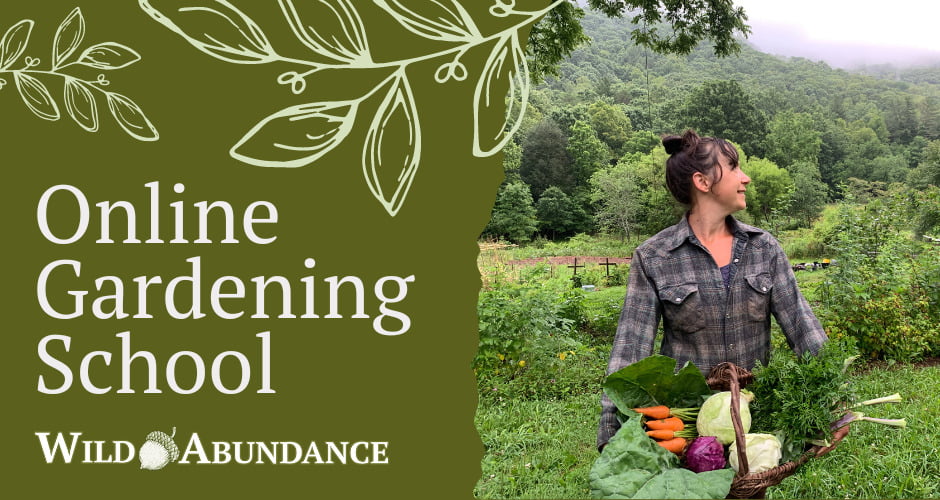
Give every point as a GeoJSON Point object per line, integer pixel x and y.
{"type": "Point", "coordinates": [108, 55]}
{"type": "Point", "coordinates": [68, 37]}
{"type": "Point", "coordinates": [14, 42]}
{"type": "Point", "coordinates": [80, 104]}
{"type": "Point", "coordinates": [215, 27]}
{"type": "Point", "coordinates": [36, 96]}
{"type": "Point", "coordinates": [131, 118]}
{"type": "Point", "coordinates": [296, 136]}
{"type": "Point", "coordinates": [505, 67]}
{"type": "Point", "coordinates": [333, 28]}
{"type": "Point", "coordinates": [392, 149]}
{"type": "Point", "coordinates": [445, 20]}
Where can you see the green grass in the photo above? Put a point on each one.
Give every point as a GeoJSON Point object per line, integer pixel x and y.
{"type": "Point", "coordinates": [538, 449]}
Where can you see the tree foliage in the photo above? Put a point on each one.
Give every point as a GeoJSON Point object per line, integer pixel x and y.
{"type": "Point", "coordinates": [514, 215]}
{"type": "Point", "coordinates": [793, 138]}
{"type": "Point", "coordinates": [724, 109]}
{"type": "Point", "coordinates": [611, 124]}
{"type": "Point", "coordinates": [545, 159]}
{"type": "Point", "coordinates": [688, 22]}
{"type": "Point", "coordinates": [769, 189]}
{"type": "Point", "coordinates": [668, 26]}
{"type": "Point", "coordinates": [588, 153]}
{"type": "Point", "coordinates": [559, 215]}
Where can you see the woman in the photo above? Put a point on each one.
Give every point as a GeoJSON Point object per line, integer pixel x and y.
{"type": "Point", "coordinates": [712, 280]}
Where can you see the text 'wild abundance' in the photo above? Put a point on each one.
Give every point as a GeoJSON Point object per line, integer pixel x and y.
{"type": "Point", "coordinates": [64, 292]}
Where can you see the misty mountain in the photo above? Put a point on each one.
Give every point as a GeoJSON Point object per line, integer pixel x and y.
{"type": "Point", "coordinates": [791, 42]}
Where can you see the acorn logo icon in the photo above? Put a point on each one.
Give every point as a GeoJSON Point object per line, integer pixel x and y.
{"type": "Point", "coordinates": [158, 451]}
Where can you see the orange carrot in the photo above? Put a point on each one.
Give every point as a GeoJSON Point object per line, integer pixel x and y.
{"type": "Point", "coordinates": [654, 412]}
{"type": "Point", "coordinates": [671, 423]}
{"type": "Point", "coordinates": [661, 434]}
{"type": "Point", "coordinates": [675, 445]}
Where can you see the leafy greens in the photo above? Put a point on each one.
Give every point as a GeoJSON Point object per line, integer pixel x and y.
{"type": "Point", "coordinates": [632, 465]}
{"type": "Point", "coordinates": [654, 381]}
{"type": "Point", "coordinates": [800, 397]}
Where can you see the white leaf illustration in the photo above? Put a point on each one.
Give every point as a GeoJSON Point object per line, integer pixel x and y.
{"type": "Point", "coordinates": [331, 28]}
{"type": "Point", "coordinates": [131, 118]}
{"type": "Point", "coordinates": [445, 20]}
{"type": "Point", "coordinates": [68, 37]}
{"type": "Point", "coordinates": [390, 164]}
{"type": "Point", "coordinates": [36, 96]}
{"type": "Point", "coordinates": [505, 67]}
{"type": "Point", "coordinates": [14, 42]}
{"type": "Point", "coordinates": [215, 27]}
{"type": "Point", "coordinates": [108, 55]}
{"type": "Point", "coordinates": [80, 104]}
{"type": "Point", "coordinates": [296, 136]}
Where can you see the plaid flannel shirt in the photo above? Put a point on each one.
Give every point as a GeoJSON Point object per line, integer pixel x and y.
{"type": "Point", "coordinates": [674, 278]}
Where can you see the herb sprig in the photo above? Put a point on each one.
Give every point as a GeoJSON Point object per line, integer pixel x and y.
{"type": "Point", "coordinates": [800, 397]}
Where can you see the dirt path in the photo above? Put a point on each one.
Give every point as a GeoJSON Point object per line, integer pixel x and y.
{"type": "Point", "coordinates": [568, 261]}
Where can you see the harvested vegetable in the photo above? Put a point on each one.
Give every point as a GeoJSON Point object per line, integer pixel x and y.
{"type": "Point", "coordinates": [705, 453]}
{"type": "Point", "coordinates": [894, 398]}
{"type": "Point", "coordinates": [675, 445]}
{"type": "Point", "coordinates": [662, 412]}
{"type": "Point", "coordinates": [857, 416]}
{"type": "Point", "coordinates": [655, 381]}
{"type": "Point", "coordinates": [762, 450]}
{"type": "Point", "coordinates": [671, 424]}
{"type": "Point", "coordinates": [714, 419]}
{"type": "Point", "coordinates": [661, 434]}
{"type": "Point", "coordinates": [654, 412]}
{"type": "Point", "coordinates": [632, 466]}
{"type": "Point", "coordinates": [801, 397]}
{"type": "Point", "coordinates": [665, 434]}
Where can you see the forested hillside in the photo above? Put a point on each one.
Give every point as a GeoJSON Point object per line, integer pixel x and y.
{"type": "Point", "coordinates": [587, 157]}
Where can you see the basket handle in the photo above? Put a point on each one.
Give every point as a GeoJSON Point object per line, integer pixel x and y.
{"type": "Point", "coordinates": [741, 443]}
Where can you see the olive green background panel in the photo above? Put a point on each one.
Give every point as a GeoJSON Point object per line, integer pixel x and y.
{"type": "Point", "coordinates": [336, 379]}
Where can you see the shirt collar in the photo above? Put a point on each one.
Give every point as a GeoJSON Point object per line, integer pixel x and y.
{"type": "Point", "coordinates": [684, 232]}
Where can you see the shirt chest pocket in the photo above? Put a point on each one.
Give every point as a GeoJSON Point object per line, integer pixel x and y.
{"type": "Point", "coordinates": [682, 307]}
{"type": "Point", "coordinates": [757, 296]}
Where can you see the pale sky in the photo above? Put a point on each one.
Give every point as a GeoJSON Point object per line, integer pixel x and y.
{"type": "Point", "coordinates": [817, 27]}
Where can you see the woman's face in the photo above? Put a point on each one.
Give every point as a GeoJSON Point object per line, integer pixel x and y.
{"type": "Point", "coordinates": [729, 190]}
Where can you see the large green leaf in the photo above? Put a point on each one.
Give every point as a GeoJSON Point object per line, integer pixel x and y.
{"type": "Point", "coordinates": [654, 381]}
{"type": "Point", "coordinates": [633, 466]}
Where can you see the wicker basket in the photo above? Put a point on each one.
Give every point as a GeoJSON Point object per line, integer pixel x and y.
{"type": "Point", "coordinates": [730, 377]}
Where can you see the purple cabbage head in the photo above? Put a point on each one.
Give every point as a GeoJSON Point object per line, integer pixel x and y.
{"type": "Point", "coordinates": [705, 453]}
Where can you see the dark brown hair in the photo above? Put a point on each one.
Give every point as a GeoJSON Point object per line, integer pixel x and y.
{"type": "Point", "coordinates": [689, 154]}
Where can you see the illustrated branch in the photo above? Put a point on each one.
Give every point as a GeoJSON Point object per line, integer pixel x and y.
{"type": "Point", "coordinates": [79, 94]}
{"type": "Point", "coordinates": [333, 30]}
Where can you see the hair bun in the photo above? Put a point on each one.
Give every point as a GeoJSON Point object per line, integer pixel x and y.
{"type": "Point", "coordinates": [673, 144]}
{"type": "Point", "coordinates": [688, 142]}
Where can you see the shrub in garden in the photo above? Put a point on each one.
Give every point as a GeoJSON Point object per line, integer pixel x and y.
{"type": "Point", "coordinates": [515, 317]}
{"type": "Point", "coordinates": [883, 291]}
{"type": "Point", "coordinates": [528, 343]}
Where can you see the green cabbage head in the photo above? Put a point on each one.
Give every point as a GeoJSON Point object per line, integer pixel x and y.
{"type": "Point", "coordinates": [714, 419]}
{"type": "Point", "coordinates": [762, 450]}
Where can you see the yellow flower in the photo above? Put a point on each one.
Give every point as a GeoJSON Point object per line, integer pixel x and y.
{"type": "Point", "coordinates": [562, 355]}
{"type": "Point", "coordinates": [501, 357]}
{"type": "Point", "coordinates": [522, 363]}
